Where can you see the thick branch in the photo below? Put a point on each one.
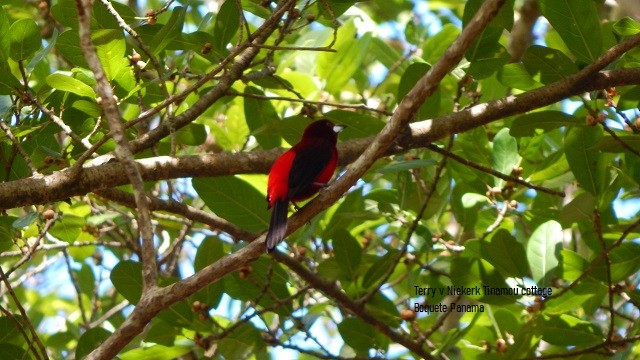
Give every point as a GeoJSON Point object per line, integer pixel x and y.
{"type": "Point", "coordinates": [55, 187]}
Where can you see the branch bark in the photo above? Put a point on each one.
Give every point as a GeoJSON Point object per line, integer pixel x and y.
{"type": "Point", "coordinates": [56, 186]}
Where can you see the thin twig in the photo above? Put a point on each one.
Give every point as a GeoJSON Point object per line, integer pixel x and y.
{"type": "Point", "coordinates": [490, 171]}
{"type": "Point", "coordinates": [23, 313]}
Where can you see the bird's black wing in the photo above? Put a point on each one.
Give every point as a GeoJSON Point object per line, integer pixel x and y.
{"type": "Point", "coordinates": [309, 162]}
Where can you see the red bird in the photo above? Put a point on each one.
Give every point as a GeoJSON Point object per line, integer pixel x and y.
{"type": "Point", "coordinates": [299, 173]}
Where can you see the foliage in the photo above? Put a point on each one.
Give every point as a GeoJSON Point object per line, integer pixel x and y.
{"type": "Point", "coordinates": [509, 212]}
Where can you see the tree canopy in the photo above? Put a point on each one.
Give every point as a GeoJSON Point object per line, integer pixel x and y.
{"type": "Point", "coordinates": [487, 203]}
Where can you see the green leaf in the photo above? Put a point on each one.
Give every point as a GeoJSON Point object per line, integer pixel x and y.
{"type": "Point", "coordinates": [571, 300]}
{"type": "Point", "coordinates": [573, 265]}
{"type": "Point", "coordinates": [379, 268]}
{"type": "Point", "coordinates": [126, 276]}
{"type": "Point", "coordinates": [546, 120]}
{"type": "Point", "coordinates": [7, 232]}
{"type": "Point", "coordinates": [547, 65]}
{"type": "Point", "coordinates": [226, 25]}
{"type": "Point", "coordinates": [384, 308]}
{"type": "Point", "coordinates": [473, 272]}
{"type": "Point", "coordinates": [625, 261]}
{"type": "Point", "coordinates": [193, 134]}
{"type": "Point", "coordinates": [626, 27]}
{"type": "Point", "coordinates": [8, 330]}
{"type": "Point", "coordinates": [13, 352]}
{"type": "Point", "coordinates": [42, 53]}
{"type": "Point", "coordinates": [67, 83]}
{"type": "Point", "coordinates": [610, 144]}
{"type": "Point", "coordinates": [543, 251]}
{"type": "Point", "coordinates": [436, 45]}
{"type": "Point", "coordinates": [337, 68]}
{"type": "Point", "coordinates": [210, 250]}
{"type": "Point", "coordinates": [470, 200]}
{"type": "Point", "coordinates": [161, 333]}
{"type": "Point", "coordinates": [241, 343]}
{"type": "Point", "coordinates": [582, 160]}
{"type": "Point", "coordinates": [68, 228]}
{"type": "Point", "coordinates": [90, 340]}
{"type": "Point", "coordinates": [567, 330]}
{"type": "Point", "coordinates": [486, 55]}
{"type": "Point", "coordinates": [358, 335]}
{"type": "Point", "coordinates": [156, 352]}
{"type": "Point", "coordinates": [347, 252]}
{"type": "Point", "coordinates": [410, 77]}
{"type": "Point", "coordinates": [516, 76]}
{"type": "Point", "coordinates": [235, 200]}
{"type": "Point", "coordinates": [25, 39]}
{"type": "Point", "coordinates": [505, 154]}
{"type": "Point", "coordinates": [5, 39]}
{"type": "Point", "coordinates": [169, 31]}
{"type": "Point", "coordinates": [111, 47]}
{"type": "Point", "coordinates": [357, 125]}
{"type": "Point", "coordinates": [578, 24]}
{"type": "Point", "coordinates": [387, 55]}
{"type": "Point", "coordinates": [579, 209]}
{"type": "Point", "coordinates": [506, 254]}
{"type": "Point", "coordinates": [68, 45]}
{"type": "Point", "coordinates": [262, 119]}
{"type": "Point", "coordinates": [25, 221]}
{"type": "Point", "coordinates": [400, 166]}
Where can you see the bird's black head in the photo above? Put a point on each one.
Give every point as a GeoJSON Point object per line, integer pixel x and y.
{"type": "Point", "coordinates": [323, 129]}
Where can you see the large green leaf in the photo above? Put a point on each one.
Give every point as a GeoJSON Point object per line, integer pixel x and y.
{"type": "Point", "coordinates": [473, 275]}
{"type": "Point", "coordinates": [379, 268]}
{"type": "Point", "coordinates": [262, 119]}
{"type": "Point", "coordinates": [13, 352]}
{"type": "Point", "coordinates": [515, 76]}
{"type": "Point", "coordinates": [583, 161]}
{"type": "Point", "coordinates": [347, 252]}
{"type": "Point", "coordinates": [5, 39]}
{"type": "Point", "coordinates": [169, 31]}
{"type": "Point", "coordinates": [24, 39]}
{"type": "Point", "coordinates": [126, 276]}
{"type": "Point", "coordinates": [337, 69]}
{"type": "Point", "coordinates": [546, 120]}
{"type": "Point", "coordinates": [505, 154]}
{"type": "Point", "coordinates": [506, 254]}
{"type": "Point", "coordinates": [67, 83]}
{"type": "Point", "coordinates": [357, 125]}
{"type": "Point", "coordinates": [241, 343]}
{"type": "Point", "coordinates": [436, 45]}
{"type": "Point", "coordinates": [90, 340]}
{"type": "Point", "coordinates": [626, 27]}
{"type": "Point", "coordinates": [410, 77]}
{"type": "Point", "coordinates": [360, 336]}
{"type": "Point", "coordinates": [543, 251]}
{"type": "Point", "coordinates": [7, 232]}
{"type": "Point", "coordinates": [111, 47]}
{"type": "Point", "coordinates": [209, 251]}
{"type": "Point", "coordinates": [235, 200]}
{"type": "Point", "coordinates": [68, 228]}
{"type": "Point", "coordinates": [547, 65]}
{"type": "Point", "coordinates": [578, 24]}
{"type": "Point", "coordinates": [567, 330]}
{"type": "Point", "coordinates": [226, 25]}
{"type": "Point", "coordinates": [156, 352]}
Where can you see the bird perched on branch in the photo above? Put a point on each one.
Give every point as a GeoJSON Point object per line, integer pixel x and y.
{"type": "Point", "coordinates": [300, 173]}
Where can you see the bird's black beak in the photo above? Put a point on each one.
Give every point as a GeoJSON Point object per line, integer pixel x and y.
{"type": "Point", "coordinates": [338, 128]}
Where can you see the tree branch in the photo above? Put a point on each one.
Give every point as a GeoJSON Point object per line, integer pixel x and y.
{"type": "Point", "coordinates": [123, 152]}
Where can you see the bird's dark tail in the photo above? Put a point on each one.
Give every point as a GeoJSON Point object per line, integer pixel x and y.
{"type": "Point", "coordinates": [278, 224]}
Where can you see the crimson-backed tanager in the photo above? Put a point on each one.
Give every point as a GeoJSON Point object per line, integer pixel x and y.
{"type": "Point", "coordinates": [299, 173]}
